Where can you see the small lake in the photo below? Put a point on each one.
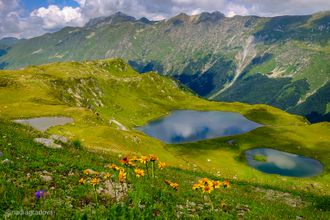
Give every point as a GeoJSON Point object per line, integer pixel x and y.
{"type": "Point", "coordinates": [286, 164]}
{"type": "Point", "coordinates": [184, 126]}
{"type": "Point", "coordinates": [43, 123]}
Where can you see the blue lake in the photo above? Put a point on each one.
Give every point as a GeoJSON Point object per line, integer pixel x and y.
{"type": "Point", "coordinates": [184, 126]}
{"type": "Point", "coordinates": [283, 163]}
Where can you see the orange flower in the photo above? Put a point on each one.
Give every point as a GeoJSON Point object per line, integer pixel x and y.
{"type": "Point", "coordinates": [226, 184]}
{"type": "Point", "coordinates": [175, 186]}
{"type": "Point", "coordinates": [126, 161]}
{"type": "Point", "coordinates": [122, 176]}
{"type": "Point", "coordinates": [207, 189]}
{"type": "Point", "coordinates": [107, 176]}
{"type": "Point", "coordinates": [82, 181]}
{"type": "Point", "coordinates": [153, 158]}
{"type": "Point", "coordinates": [144, 159]}
{"type": "Point", "coordinates": [95, 181]}
{"type": "Point", "coordinates": [139, 173]}
{"type": "Point", "coordinates": [161, 165]}
{"type": "Point", "coordinates": [216, 184]}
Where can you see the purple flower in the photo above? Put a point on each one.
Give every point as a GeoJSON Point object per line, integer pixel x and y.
{"type": "Point", "coordinates": [40, 194]}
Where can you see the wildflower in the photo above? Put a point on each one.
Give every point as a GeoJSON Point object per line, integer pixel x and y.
{"type": "Point", "coordinates": [82, 181]}
{"type": "Point", "coordinates": [175, 186]}
{"type": "Point", "coordinates": [135, 158]}
{"type": "Point", "coordinates": [114, 167]}
{"type": "Point", "coordinates": [144, 159]}
{"type": "Point", "coordinates": [161, 165]}
{"type": "Point", "coordinates": [107, 176]}
{"type": "Point", "coordinates": [226, 184]}
{"type": "Point", "coordinates": [153, 158]}
{"type": "Point", "coordinates": [87, 171]}
{"type": "Point", "coordinates": [196, 186]}
{"type": "Point", "coordinates": [126, 161]}
{"type": "Point", "coordinates": [40, 194]}
{"type": "Point", "coordinates": [122, 177]}
{"type": "Point", "coordinates": [95, 181]}
{"type": "Point", "coordinates": [205, 182]}
{"type": "Point", "coordinates": [216, 184]}
{"type": "Point", "coordinates": [207, 189]}
{"type": "Point", "coordinates": [139, 172]}
{"type": "Point", "coordinates": [96, 173]}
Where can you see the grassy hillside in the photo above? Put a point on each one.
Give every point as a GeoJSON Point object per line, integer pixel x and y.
{"type": "Point", "coordinates": [146, 197]}
{"type": "Point", "coordinates": [92, 93]}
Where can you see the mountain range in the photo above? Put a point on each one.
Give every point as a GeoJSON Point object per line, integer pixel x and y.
{"type": "Point", "coordinates": [280, 61]}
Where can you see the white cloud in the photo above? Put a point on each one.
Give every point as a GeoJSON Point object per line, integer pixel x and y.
{"type": "Point", "coordinates": [16, 21]}
{"type": "Point", "coordinates": [54, 17]}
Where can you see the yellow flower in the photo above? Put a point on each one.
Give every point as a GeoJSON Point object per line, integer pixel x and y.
{"type": "Point", "coordinates": [82, 181]}
{"type": "Point", "coordinates": [207, 189]}
{"type": "Point", "coordinates": [205, 182]}
{"type": "Point", "coordinates": [153, 158]}
{"type": "Point", "coordinates": [196, 186]}
{"type": "Point", "coordinates": [122, 177]}
{"type": "Point", "coordinates": [139, 172]}
{"type": "Point", "coordinates": [161, 165]}
{"type": "Point", "coordinates": [95, 181]}
{"type": "Point", "coordinates": [114, 167]}
{"type": "Point", "coordinates": [175, 186]}
{"type": "Point", "coordinates": [87, 171]}
{"type": "Point", "coordinates": [135, 158]}
{"type": "Point", "coordinates": [96, 173]}
{"type": "Point", "coordinates": [226, 184]}
{"type": "Point", "coordinates": [144, 159]}
{"type": "Point", "coordinates": [107, 176]}
{"type": "Point", "coordinates": [216, 184]}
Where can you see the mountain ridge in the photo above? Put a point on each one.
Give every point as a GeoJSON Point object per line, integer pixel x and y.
{"type": "Point", "coordinates": [280, 61]}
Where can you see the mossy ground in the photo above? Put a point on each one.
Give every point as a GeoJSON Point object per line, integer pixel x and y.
{"type": "Point", "coordinates": [92, 93]}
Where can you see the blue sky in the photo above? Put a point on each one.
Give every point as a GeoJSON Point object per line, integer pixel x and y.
{"type": "Point", "coordinates": [31, 5]}
{"type": "Point", "coordinates": [30, 18]}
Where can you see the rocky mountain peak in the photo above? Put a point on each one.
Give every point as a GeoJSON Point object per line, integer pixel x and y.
{"type": "Point", "coordinates": [118, 17]}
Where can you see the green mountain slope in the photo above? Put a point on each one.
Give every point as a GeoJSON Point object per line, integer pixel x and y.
{"type": "Point", "coordinates": [214, 55]}
{"type": "Point", "coordinates": [95, 92]}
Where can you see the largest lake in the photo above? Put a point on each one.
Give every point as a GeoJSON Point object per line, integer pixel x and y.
{"type": "Point", "coordinates": [184, 126]}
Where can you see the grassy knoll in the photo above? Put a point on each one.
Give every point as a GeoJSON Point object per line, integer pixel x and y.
{"type": "Point", "coordinates": [93, 93]}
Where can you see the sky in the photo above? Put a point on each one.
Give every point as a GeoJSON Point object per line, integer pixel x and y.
{"type": "Point", "coordinates": [30, 18]}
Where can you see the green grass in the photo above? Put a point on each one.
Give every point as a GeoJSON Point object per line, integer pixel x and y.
{"type": "Point", "coordinates": [92, 93]}
{"type": "Point", "coordinates": [146, 198]}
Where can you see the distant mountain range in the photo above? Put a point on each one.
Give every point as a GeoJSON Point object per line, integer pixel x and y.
{"type": "Point", "coordinates": [281, 61]}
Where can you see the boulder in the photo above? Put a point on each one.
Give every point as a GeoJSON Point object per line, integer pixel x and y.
{"type": "Point", "coordinates": [56, 137]}
{"type": "Point", "coordinates": [47, 143]}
